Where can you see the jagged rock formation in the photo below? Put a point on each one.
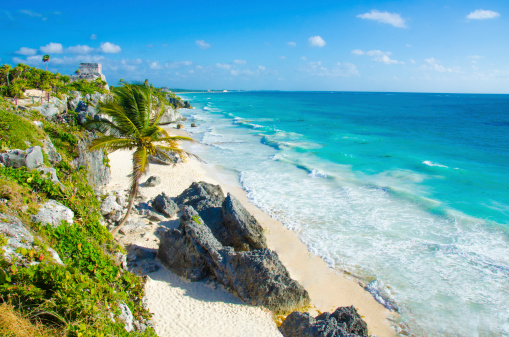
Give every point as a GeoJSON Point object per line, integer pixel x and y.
{"type": "Point", "coordinates": [31, 158]}
{"type": "Point", "coordinates": [171, 115]}
{"type": "Point", "coordinates": [164, 205]}
{"type": "Point", "coordinates": [344, 322]}
{"type": "Point", "coordinates": [195, 251]}
{"type": "Point", "coordinates": [53, 213]}
{"type": "Point", "coordinates": [99, 174]}
{"type": "Point", "coordinates": [171, 158]}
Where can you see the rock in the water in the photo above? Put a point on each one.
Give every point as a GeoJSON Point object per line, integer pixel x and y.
{"type": "Point", "coordinates": [164, 205]}
{"type": "Point", "coordinates": [244, 231]}
{"type": "Point", "coordinates": [53, 213]}
{"type": "Point", "coordinates": [207, 200]}
{"type": "Point", "coordinates": [257, 277]}
{"type": "Point", "coordinates": [31, 158]}
{"type": "Point", "coordinates": [153, 181]}
{"type": "Point", "coordinates": [344, 322]}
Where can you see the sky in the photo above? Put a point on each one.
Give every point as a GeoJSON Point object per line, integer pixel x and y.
{"type": "Point", "coordinates": [449, 46]}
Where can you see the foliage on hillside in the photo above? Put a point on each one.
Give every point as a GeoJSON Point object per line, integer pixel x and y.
{"type": "Point", "coordinates": [81, 297]}
{"type": "Point", "coordinates": [14, 81]}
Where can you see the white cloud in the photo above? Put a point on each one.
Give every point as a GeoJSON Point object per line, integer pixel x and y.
{"type": "Point", "coordinates": [202, 44]}
{"type": "Point", "coordinates": [262, 68]}
{"type": "Point", "coordinates": [110, 48]}
{"type": "Point", "coordinates": [223, 66]}
{"type": "Point", "coordinates": [378, 56]}
{"type": "Point", "coordinates": [239, 61]}
{"type": "Point", "coordinates": [433, 64]}
{"type": "Point", "coordinates": [316, 41]}
{"type": "Point", "coordinates": [93, 37]}
{"type": "Point", "coordinates": [178, 64]}
{"type": "Point", "coordinates": [31, 13]}
{"type": "Point", "coordinates": [26, 51]}
{"type": "Point", "coordinates": [150, 45]}
{"type": "Point", "coordinates": [338, 70]}
{"type": "Point", "coordinates": [292, 44]}
{"type": "Point", "coordinates": [384, 17]}
{"type": "Point", "coordinates": [481, 14]}
{"type": "Point", "coordinates": [282, 57]}
{"type": "Point", "coordinates": [52, 48]}
{"type": "Point", "coordinates": [155, 65]}
{"type": "Point", "coordinates": [79, 49]}
{"type": "Point", "coordinates": [303, 58]}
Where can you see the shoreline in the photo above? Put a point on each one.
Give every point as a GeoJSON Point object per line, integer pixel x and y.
{"type": "Point", "coordinates": [327, 288]}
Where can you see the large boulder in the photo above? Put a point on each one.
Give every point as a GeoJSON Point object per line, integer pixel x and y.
{"type": "Point", "coordinates": [31, 158]}
{"type": "Point", "coordinates": [207, 200]}
{"type": "Point", "coordinates": [110, 205]}
{"type": "Point", "coordinates": [257, 277]}
{"type": "Point", "coordinates": [165, 158]}
{"type": "Point", "coordinates": [164, 205]}
{"type": "Point", "coordinates": [245, 233]}
{"type": "Point", "coordinates": [53, 213]}
{"type": "Point", "coordinates": [99, 173]}
{"type": "Point", "coordinates": [53, 156]}
{"type": "Point", "coordinates": [170, 115]}
{"type": "Point", "coordinates": [48, 110]}
{"type": "Point", "coordinates": [344, 322]}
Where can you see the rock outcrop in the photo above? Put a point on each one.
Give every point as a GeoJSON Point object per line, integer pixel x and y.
{"type": "Point", "coordinates": [207, 199]}
{"type": "Point", "coordinates": [53, 213]}
{"type": "Point", "coordinates": [344, 322]}
{"type": "Point", "coordinates": [164, 205]}
{"type": "Point", "coordinates": [99, 173]}
{"type": "Point", "coordinates": [257, 277]}
{"type": "Point", "coordinates": [31, 158]}
{"type": "Point", "coordinates": [168, 158]}
{"type": "Point", "coordinates": [171, 115]}
{"type": "Point", "coordinates": [243, 231]}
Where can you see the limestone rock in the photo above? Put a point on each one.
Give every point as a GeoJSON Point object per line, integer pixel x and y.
{"type": "Point", "coordinates": [53, 213]}
{"type": "Point", "coordinates": [51, 172]}
{"type": "Point", "coordinates": [133, 226]}
{"type": "Point", "coordinates": [164, 205]}
{"type": "Point", "coordinates": [245, 232]}
{"type": "Point", "coordinates": [110, 205]}
{"type": "Point", "coordinates": [99, 173]}
{"type": "Point", "coordinates": [16, 233]}
{"type": "Point", "coordinates": [168, 158]}
{"type": "Point", "coordinates": [207, 200]}
{"type": "Point", "coordinates": [170, 115]}
{"type": "Point", "coordinates": [153, 181]}
{"type": "Point", "coordinates": [344, 322]}
{"type": "Point", "coordinates": [126, 316]}
{"type": "Point", "coordinates": [48, 110]}
{"type": "Point", "coordinates": [31, 158]}
{"type": "Point", "coordinates": [53, 156]}
{"type": "Point", "coordinates": [257, 277]}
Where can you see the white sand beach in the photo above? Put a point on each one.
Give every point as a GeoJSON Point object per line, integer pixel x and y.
{"type": "Point", "coordinates": [183, 308]}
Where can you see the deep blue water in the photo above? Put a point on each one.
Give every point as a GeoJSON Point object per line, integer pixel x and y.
{"type": "Point", "coordinates": [409, 192]}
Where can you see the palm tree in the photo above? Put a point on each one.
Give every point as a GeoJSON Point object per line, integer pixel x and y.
{"type": "Point", "coordinates": [133, 128]}
{"type": "Point", "coordinates": [46, 58]}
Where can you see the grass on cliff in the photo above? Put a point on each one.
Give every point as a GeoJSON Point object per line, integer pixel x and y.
{"type": "Point", "coordinates": [18, 132]}
{"type": "Point", "coordinates": [13, 324]}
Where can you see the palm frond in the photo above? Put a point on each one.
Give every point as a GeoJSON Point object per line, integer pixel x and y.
{"type": "Point", "coordinates": [112, 143]}
{"type": "Point", "coordinates": [140, 164]}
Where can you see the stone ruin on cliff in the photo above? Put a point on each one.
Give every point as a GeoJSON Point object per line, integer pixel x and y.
{"type": "Point", "coordinates": [90, 72]}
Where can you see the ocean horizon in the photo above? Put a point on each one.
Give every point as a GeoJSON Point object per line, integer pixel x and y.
{"type": "Point", "coordinates": [406, 192]}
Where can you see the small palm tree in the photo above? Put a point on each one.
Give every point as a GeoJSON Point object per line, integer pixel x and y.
{"type": "Point", "coordinates": [133, 126]}
{"type": "Point", "coordinates": [46, 58]}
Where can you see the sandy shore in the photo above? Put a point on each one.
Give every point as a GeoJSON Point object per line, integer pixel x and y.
{"type": "Point", "coordinates": [183, 308]}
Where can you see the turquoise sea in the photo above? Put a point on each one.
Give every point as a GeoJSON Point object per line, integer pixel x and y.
{"type": "Point", "coordinates": [407, 192]}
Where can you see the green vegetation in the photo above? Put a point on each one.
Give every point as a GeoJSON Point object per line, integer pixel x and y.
{"type": "Point", "coordinates": [39, 297]}
{"type": "Point", "coordinates": [132, 127]}
{"type": "Point", "coordinates": [15, 81]}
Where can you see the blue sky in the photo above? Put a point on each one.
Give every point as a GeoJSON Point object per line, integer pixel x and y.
{"type": "Point", "coordinates": [413, 45]}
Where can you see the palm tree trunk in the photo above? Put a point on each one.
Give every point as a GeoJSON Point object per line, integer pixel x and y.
{"type": "Point", "coordinates": [132, 195]}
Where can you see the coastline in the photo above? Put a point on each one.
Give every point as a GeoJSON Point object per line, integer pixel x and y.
{"type": "Point", "coordinates": [173, 300]}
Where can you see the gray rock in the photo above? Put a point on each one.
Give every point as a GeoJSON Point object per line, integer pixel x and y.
{"type": "Point", "coordinates": [344, 322]}
{"type": "Point", "coordinates": [51, 172]}
{"type": "Point", "coordinates": [55, 256]}
{"type": "Point", "coordinates": [16, 233]}
{"type": "Point", "coordinates": [53, 213]}
{"type": "Point", "coordinates": [153, 181]}
{"type": "Point", "coordinates": [48, 110]}
{"type": "Point", "coordinates": [245, 232]}
{"type": "Point", "coordinates": [164, 205]}
{"type": "Point", "coordinates": [126, 316]}
{"type": "Point", "coordinates": [207, 200]}
{"type": "Point", "coordinates": [170, 115]}
{"type": "Point", "coordinates": [53, 156]}
{"type": "Point", "coordinates": [110, 205]}
{"type": "Point", "coordinates": [146, 268]}
{"type": "Point", "coordinates": [98, 173]}
{"type": "Point", "coordinates": [165, 158]}
{"type": "Point", "coordinates": [257, 277]}
{"type": "Point", "coordinates": [72, 103]}
{"type": "Point", "coordinates": [38, 124]}
{"type": "Point", "coordinates": [132, 226]}
{"type": "Point", "coordinates": [31, 158]}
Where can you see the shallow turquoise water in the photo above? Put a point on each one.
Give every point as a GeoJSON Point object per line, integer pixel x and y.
{"type": "Point", "coordinates": [408, 190]}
